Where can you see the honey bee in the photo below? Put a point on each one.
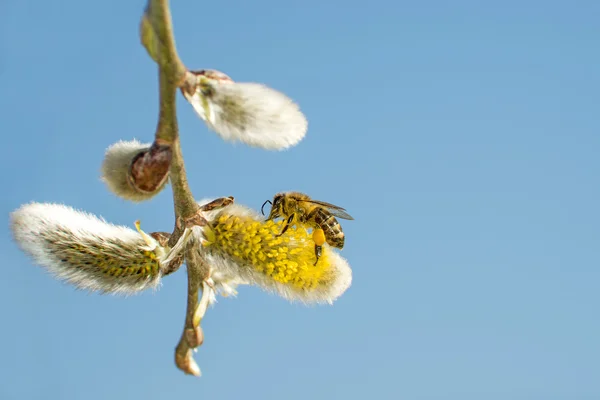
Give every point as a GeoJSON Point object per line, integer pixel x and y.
{"type": "Point", "coordinates": [318, 215]}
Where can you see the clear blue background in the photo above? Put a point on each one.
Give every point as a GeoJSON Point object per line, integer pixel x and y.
{"type": "Point", "coordinates": [463, 136]}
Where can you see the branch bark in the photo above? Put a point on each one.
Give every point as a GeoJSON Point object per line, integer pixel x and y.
{"type": "Point", "coordinates": [172, 73]}
{"type": "Point", "coordinates": [159, 15]}
{"type": "Point", "coordinates": [157, 37]}
{"type": "Point", "coordinates": [192, 335]}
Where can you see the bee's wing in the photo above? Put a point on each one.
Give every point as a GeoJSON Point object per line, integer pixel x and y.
{"type": "Point", "coordinates": [336, 211]}
{"type": "Point", "coordinates": [340, 213]}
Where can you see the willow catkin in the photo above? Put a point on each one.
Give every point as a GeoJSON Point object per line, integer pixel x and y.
{"type": "Point", "coordinates": [242, 248]}
{"type": "Point", "coordinates": [251, 113]}
{"type": "Point", "coordinates": [86, 251]}
{"type": "Point", "coordinates": [117, 170]}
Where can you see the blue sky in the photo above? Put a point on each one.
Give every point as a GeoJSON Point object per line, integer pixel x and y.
{"type": "Point", "coordinates": [462, 136]}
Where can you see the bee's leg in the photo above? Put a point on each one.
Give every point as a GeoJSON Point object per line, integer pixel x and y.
{"type": "Point", "coordinates": [318, 250]}
{"type": "Point", "coordinates": [319, 239]}
{"type": "Point", "coordinates": [287, 224]}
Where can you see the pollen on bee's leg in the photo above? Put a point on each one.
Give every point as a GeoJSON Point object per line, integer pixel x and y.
{"type": "Point", "coordinates": [319, 236]}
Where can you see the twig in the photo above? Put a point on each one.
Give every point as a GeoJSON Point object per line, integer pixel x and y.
{"type": "Point", "coordinates": [192, 335]}
{"type": "Point", "coordinates": [160, 16]}
{"type": "Point", "coordinates": [172, 74]}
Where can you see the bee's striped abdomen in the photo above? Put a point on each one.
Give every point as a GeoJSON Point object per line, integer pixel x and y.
{"type": "Point", "coordinates": [330, 225]}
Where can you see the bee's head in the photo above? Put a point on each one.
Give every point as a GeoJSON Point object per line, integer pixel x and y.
{"type": "Point", "coordinates": [276, 206]}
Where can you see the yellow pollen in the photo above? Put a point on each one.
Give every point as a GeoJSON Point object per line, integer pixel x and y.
{"type": "Point", "coordinates": [288, 259]}
{"type": "Point", "coordinates": [319, 237]}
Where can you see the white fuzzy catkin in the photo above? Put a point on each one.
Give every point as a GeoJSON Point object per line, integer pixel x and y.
{"type": "Point", "coordinates": [250, 113]}
{"type": "Point", "coordinates": [227, 272]}
{"type": "Point", "coordinates": [86, 251]}
{"type": "Point", "coordinates": [116, 169]}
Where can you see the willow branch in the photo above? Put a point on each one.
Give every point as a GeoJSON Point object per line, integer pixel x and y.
{"type": "Point", "coordinates": [184, 202]}
{"type": "Point", "coordinates": [192, 335]}
{"type": "Point", "coordinates": [160, 19]}
{"type": "Point", "coordinates": [157, 37]}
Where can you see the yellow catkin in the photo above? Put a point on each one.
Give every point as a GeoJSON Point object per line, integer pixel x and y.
{"type": "Point", "coordinates": [86, 251]}
{"type": "Point", "coordinates": [94, 257]}
{"type": "Point", "coordinates": [288, 259]}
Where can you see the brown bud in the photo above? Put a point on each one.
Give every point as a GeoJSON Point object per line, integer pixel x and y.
{"type": "Point", "coordinates": [161, 237]}
{"type": "Point", "coordinates": [186, 363]}
{"type": "Point", "coordinates": [217, 203]}
{"type": "Point", "coordinates": [194, 337]}
{"type": "Point", "coordinates": [150, 169]}
{"type": "Point", "coordinates": [136, 171]}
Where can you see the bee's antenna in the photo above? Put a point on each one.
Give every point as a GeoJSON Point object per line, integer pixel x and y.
{"type": "Point", "coordinates": [262, 209]}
